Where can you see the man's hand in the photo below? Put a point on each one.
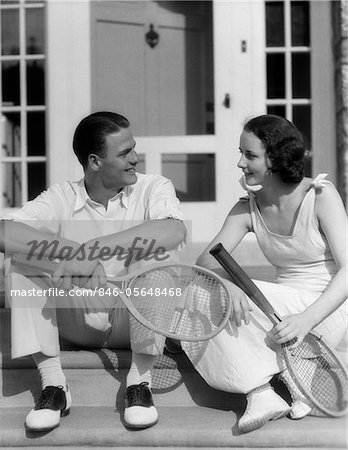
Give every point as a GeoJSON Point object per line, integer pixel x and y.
{"type": "Point", "coordinates": [87, 274]}
{"type": "Point", "coordinates": [241, 305]}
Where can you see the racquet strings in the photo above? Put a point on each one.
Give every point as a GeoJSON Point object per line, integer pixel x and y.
{"type": "Point", "coordinates": [182, 300]}
{"type": "Point", "coordinates": [319, 375]}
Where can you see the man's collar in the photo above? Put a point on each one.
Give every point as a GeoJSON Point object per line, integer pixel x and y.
{"type": "Point", "coordinates": [82, 196]}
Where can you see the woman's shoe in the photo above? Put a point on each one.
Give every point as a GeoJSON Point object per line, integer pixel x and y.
{"type": "Point", "coordinates": [263, 405]}
{"type": "Point", "coordinates": [53, 403]}
{"type": "Point", "coordinates": [299, 410]}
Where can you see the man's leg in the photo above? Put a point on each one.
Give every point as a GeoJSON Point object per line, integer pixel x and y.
{"type": "Point", "coordinates": [146, 345]}
{"type": "Point", "coordinates": [34, 332]}
{"type": "Point", "coordinates": [140, 411]}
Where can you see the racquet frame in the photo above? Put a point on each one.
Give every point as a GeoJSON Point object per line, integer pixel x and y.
{"type": "Point", "coordinates": [244, 282]}
{"type": "Point", "coordinates": [47, 266]}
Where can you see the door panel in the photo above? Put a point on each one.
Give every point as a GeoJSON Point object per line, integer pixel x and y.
{"type": "Point", "coordinates": [112, 73]}
{"type": "Point", "coordinates": [163, 89]}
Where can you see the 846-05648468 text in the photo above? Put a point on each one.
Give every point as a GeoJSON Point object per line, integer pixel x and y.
{"type": "Point", "coordinates": [108, 291]}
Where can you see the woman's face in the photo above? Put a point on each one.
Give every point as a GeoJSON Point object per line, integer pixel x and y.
{"type": "Point", "coordinates": [253, 160]}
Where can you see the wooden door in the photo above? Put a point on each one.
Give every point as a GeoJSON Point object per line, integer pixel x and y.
{"type": "Point", "coordinates": [152, 61]}
{"type": "Point", "coordinates": [174, 93]}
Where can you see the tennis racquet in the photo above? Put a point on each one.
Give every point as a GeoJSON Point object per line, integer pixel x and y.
{"type": "Point", "coordinates": [315, 369]}
{"type": "Point", "coordinates": [179, 301]}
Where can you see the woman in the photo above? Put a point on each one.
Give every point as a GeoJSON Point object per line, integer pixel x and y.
{"type": "Point", "coordinates": [299, 224]}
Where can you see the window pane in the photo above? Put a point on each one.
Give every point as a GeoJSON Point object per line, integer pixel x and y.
{"type": "Point", "coordinates": [35, 83]}
{"type": "Point", "coordinates": [36, 134]}
{"type": "Point", "coordinates": [34, 31]}
{"type": "Point", "coordinates": [274, 24]}
{"type": "Point", "coordinates": [11, 134]}
{"type": "Point", "coordinates": [193, 175]}
{"type": "Point", "coordinates": [10, 32]}
{"type": "Point", "coordinates": [276, 75]}
{"type": "Point", "coordinates": [10, 83]}
{"type": "Point", "coordinates": [278, 110]}
{"type": "Point", "coordinates": [302, 119]}
{"type": "Point", "coordinates": [11, 184]}
{"type": "Point", "coordinates": [300, 23]}
{"type": "Point", "coordinates": [301, 85]}
{"type": "Point", "coordinates": [36, 179]}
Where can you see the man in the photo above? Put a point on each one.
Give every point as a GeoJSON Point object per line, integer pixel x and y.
{"type": "Point", "coordinates": [112, 206]}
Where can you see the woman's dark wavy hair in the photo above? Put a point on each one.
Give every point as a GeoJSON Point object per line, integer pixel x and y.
{"type": "Point", "coordinates": [284, 144]}
{"type": "Point", "coordinates": [90, 134]}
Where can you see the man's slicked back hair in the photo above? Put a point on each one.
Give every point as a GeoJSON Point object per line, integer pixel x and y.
{"type": "Point", "coordinates": [90, 134]}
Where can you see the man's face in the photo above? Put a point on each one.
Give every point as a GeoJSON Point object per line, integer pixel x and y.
{"type": "Point", "coordinates": [118, 166]}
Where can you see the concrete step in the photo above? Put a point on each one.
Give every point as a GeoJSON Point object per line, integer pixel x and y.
{"type": "Point", "coordinates": [191, 413]}
{"type": "Point", "coordinates": [175, 382]}
{"type": "Point", "coordinates": [181, 427]}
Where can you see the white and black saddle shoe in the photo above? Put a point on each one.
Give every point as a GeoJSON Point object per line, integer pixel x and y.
{"type": "Point", "coordinates": [140, 410]}
{"type": "Point", "coordinates": [54, 403]}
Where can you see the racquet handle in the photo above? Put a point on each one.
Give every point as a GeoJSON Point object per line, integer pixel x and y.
{"type": "Point", "coordinates": [242, 280]}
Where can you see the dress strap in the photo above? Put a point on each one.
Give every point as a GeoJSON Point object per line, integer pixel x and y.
{"type": "Point", "coordinates": [249, 189]}
{"type": "Point", "coordinates": [319, 181]}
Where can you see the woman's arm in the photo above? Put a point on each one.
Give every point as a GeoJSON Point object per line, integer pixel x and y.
{"type": "Point", "coordinates": [235, 227]}
{"type": "Point", "coordinates": [333, 223]}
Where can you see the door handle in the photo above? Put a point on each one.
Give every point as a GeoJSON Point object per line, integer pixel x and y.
{"type": "Point", "coordinates": [227, 101]}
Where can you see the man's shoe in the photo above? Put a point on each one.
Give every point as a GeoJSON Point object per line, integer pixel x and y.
{"type": "Point", "coordinates": [263, 405]}
{"type": "Point", "coordinates": [140, 411]}
{"type": "Point", "coordinates": [53, 403]}
{"type": "Point", "coordinates": [173, 346]}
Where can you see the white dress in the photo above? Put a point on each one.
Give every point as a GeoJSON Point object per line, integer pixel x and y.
{"type": "Point", "coordinates": [241, 359]}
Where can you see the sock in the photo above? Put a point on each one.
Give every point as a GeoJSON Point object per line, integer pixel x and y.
{"type": "Point", "coordinates": [263, 387]}
{"type": "Point", "coordinates": [50, 370]}
{"type": "Point", "coordinates": [140, 369]}
{"type": "Point", "coordinates": [295, 393]}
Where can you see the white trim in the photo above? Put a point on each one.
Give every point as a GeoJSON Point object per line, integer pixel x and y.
{"type": "Point", "coordinates": [289, 48]}
{"type": "Point", "coordinates": [68, 81]}
{"type": "Point", "coordinates": [323, 92]}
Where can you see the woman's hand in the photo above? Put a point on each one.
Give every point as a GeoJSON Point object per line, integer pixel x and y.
{"type": "Point", "coordinates": [241, 305]}
{"type": "Point", "coordinates": [86, 274]}
{"type": "Point", "coordinates": [293, 326]}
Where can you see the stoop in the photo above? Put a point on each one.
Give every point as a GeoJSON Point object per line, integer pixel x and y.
{"type": "Point", "coordinates": [191, 414]}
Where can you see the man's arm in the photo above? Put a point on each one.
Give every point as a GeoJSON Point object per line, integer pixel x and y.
{"type": "Point", "coordinates": [149, 237]}
{"type": "Point", "coordinates": [162, 229]}
{"type": "Point", "coordinates": [17, 237]}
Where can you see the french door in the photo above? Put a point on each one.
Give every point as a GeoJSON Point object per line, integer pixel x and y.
{"type": "Point", "coordinates": [168, 67]}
